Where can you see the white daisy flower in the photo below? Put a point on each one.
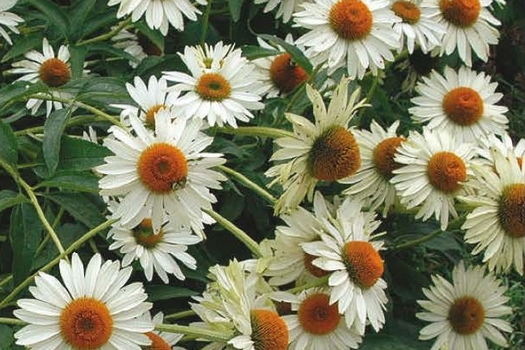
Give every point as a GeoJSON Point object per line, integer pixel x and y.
{"type": "Point", "coordinates": [462, 103]}
{"type": "Point", "coordinates": [501, 144]}
{"type": "Point", "coordinates": [161, 340]}
{"type": "Point", "coordinates": [469, 27]}
{"type": "Point", "coordinates": [324, 151]}
{"type": "Point", "coordinates": [224, 93]}
{"type": "Point", "coordinates": [136, 44]}
{"type": "Point", "coordinates": [206, 57]}
{"type": "Point", "coordinates": [465, 312]}
{"type": "Point", "coordinates": [435, 169]}
{"type": "Point", "coordinates": [285, 10]}
{"type": "Point", "coordinates": [8, 19]}
{"type": "Point", "coordinates": [353, 33]}
{"type": "Point", "coordinates": [159, 13]}
{"type": "Point", "coordinates": [90, 310]}
{"type": "Point", "coordinates": [162, 174]}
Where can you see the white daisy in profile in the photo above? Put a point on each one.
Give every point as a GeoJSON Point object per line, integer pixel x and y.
{"type": "Point", "coordinates": [435, 169]}
{"type": "Point", "coordinates": [371, 183]}
{"type": "Point", "coordinates": [8, 19]}
{"type": "Point", "coordinates": [136, 44]}
{"type": "Point", "coordinates": [92, 309]}
{"type": "Point", "coordinates": [356, 34]}
{"type": "Point", "coordinates": [462, 103]}
{"type": "Point", "coordinates": [469, 27]}
{"type": "Point", "coordinates": [465, 312]}
{"type": "Point", "coordinates": [350, 254]}
{"type": "Point", "coordinates": [161, 340]}
{"type": "Point", "coordinates": [161, 175]}
{"type": "Point", "coordinates": [285, 10]}
{"type": "Point", "coordinates": [207, 57]}
{"type": "Point", "coordinates": [324, 151]}
{"type": "Point", "coordinates": [222, 94]}
{"type": "Point", "coordinates": [159, 13]}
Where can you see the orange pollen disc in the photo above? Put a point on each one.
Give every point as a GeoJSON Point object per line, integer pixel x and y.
{"type": "Point", "coordinates": [145, 236]}
{"type": "Point", "coordinates": [466, 315]}
{"type": "Point", "coordinates": [314, 270]}
{"type": "Point", "coordinates": [463, 106]}
{"type": "Point", "coordinates": [285, 74]}
{"type": "Point", "coordinates": [511, 210]}
{"type": "Point", "coordinates": [150, 115]}
{"type": "Point", "coordinates": [317, 316]}
{"type": "Point", "coordinates": [407, 11]}
{"type": "Point", "coordinates": [54, 72]}
{"type": "Point", "coordinates": [213, 87]}
{"type": "Point", "coordinates": [86, 324]}
{"type": "Point", "coordinates": [162, 168]}
{"type": "Point", "coordinates": [334, 155]}
{"type": "Point", "coordinates": [363, 263]}
{"type": "Point", "coordinates": [351, 19]}
{"type": "Point", "coordinates": [157, 343]}
{"type": "Point", "coordinates": [462, 13]}
{"type": "Point", "coordinates": [383, 157]}
{"type": "Point", "coordinates": [446, 171]}
{"type": "Point", "coordinates": [269, 331]}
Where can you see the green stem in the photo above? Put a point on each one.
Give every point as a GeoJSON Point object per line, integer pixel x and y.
{"type": "Point", "coordinates": [323, 281]}
{"type": "Point", "coordinates": [249, 183]}
{"type": "Point", "coordinates": [12, 321]}
{"type": "Point", "coordinates": [6, 280]}
{"type": "Point", "coordinates": [194, 331]}
{"type": "Point", "coordinates": [257, 131]}
{"type": "Point", "coordinates": [108, 35]}
{"type": "Point", "coordinates": [179, 315]}
{"type": "Point", "coordinates": [205, 23]}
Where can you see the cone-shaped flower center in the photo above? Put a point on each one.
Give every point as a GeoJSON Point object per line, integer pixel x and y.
{"type": "Point", "coordinates": [86, 324]}
{"type": "Point", "coordinates": [314, 270]}
{"type": "Point", "coordinates": [317, 316]}
{"type": "Point", "coordinates": [54, 72]}
{"type": "Point", "coordinates": [269, 331]}
{"type": "Point", "coordinates": [334, 155]}
{"type": "Point", "coordinates": [462, 13]}
{"type": "Point", "coordinates": [383, 157]}
{"type": "Point", "coordinates": [512, 210]}
{"type": "Point", "coordinates": [466, 315]}
{"type": "Point", "coordinates": [407, 11]}
{"type": "Point", "coordinates": [157, 343]}
{"type": "Point", "coordinates": [285, 74]}
{"type": "Point", "coordinates": [150, 115]}
{"type": "Point", "coordinates": [213, 87]}
{"type": "Point", "coordinates": [351, 19]}
{"type": "Point", "coordinates": [446, 171]}
{"type": "Point", "coordinates": [363, 263]}
{"type": "Point", "coordinates": [162, 168]}
{"type": "Point", "coordinates": [145, 236]}
{"type": "Point", "coordinates": [463, 106]}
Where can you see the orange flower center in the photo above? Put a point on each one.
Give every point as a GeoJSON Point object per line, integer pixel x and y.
{"type": "Point", "coordinates": [285, 74]}
{"type": "Point", "coordinates": [466, 315]}
{"type": "Point", "coordinates": [334, 155]}
{"type": "Point", "coordinates": [213, 87]}
{"type": "Point", "coordinates": [383, 157]}
{"type": "Point", "coordinates": [351, 19]}
{"type": "Point", "coordinates": [145, 236]}
{"type": "Point", "coordinates": [512, 210]}
{"type": "Point", "coordinates": [54, 72]}
{"type": "Point", "coordinates": [446, 171]}
{"type": "Point", "coordinates": [317, 316]}
{"type": "Point", "coordinates": [157, 343]}
{"type": "Point", "coordinates": [269, 331]}
{"type": "Point", "coordinates": [314, 270]}
{"type": "Point", "coordinates": [162, 168]}
{"type": "Point", "coordinates": [86, 324]}
{"type": "Point", "coordinates": [407, 11]}
{"type": "Point", "coordinates": [463, 106]}
{"type": "Point", "coordinates": [150, 115]}
{"type": "Point", "coordinates": [363, 263]}
{"type": "Point", "coordinates": [462, 13]}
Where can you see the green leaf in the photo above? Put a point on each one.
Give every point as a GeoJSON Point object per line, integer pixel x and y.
{"type": "Point", "coordinates": [78, 15]}
{"type": "Point", "coordinates": [9, 145]}
{"type": "Point", "coordinates": [54, 13]}
{"type": "Point", "coordinates": [18, 91]}
{"type": "Point", "coordinates": [21, 47]}
{"type": "Point", "coordinates": [72, 180]}
{"type": "Point", "coordinates": [53, 130]}
{"type": "Point", "coordinates": [443, 242]}
{"type": "Point", "coordinates": [78, 55]}
{"type": "Point", "coordinates": [80, 206]}
{"type": "Point", "coordinates": [6, 337]}
{"type": "Point", "coordinates": [25, 234]}
{"type": "Point", "coordinates": [164, 292]}
{"type": "Point", "coordinates": [385, 342]}
{"type": "Point", "coordinates": [253, 52]}
{"type": "Point", "coordinates": [235, 9]}
{"type": "Point", "coordinates": [67, 233]}
{"type": "Point", "coordinates": [297, 55]}
{"type": "Point", "coordinates": [10, 198]}
{"type": "Point", "coordinates": [154, 36]}
{"type": "Point", "coordinates": [78, 154]}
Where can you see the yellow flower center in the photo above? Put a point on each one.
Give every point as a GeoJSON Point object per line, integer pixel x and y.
{"type": "Point", "coordinates": [285, 74]}
{"type": "Point", "coordinates": [162, 168]}
{"type": "Point", "coordinates": [334, 155]}
{"type": "Point", "coordinates": [407, 11]}
{"type": "Point", "coordinates": [86, 324]}
{"type": "Point", "coordinates": [213, 87]}
{"type": "Point", "coordinates": [150, 115]}
{"type": "Point", "coordinates": [314, 270]}
{"type": "Point", "coordinates": [145, 236]}
{"type": "Point", "coordinates": [446, 171]}
{"type": "Point", "coordinates": [317, 316]}
{"type": "Point", "coordinates": [466, 315]}
{"type": "Point", "coordinates": [462, 13]}
{"type": "Point", "coordinates": [363, 263]}
{"type": "Point", "coordinates": [157, 343]}
{"type": "Point", "coordinates": [351, 19]}
{"type": "Point", "coordinates": [463, 106]}
{"type": "Point", "coordinates": [383, 157]}
{"type": "Point", "coordinates": [512, 210]}
{"type": "Point", "coordinates": [54, 72]}
{"type": "Point", "coordinates": [269, 331]}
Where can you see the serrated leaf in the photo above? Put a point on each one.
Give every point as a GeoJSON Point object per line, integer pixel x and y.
{"type": "Point", "coordinates": [235, 9]}
{"type": "Point", "coordinates": [164, 292]}
{"type": "Point", "coordinates": [54, 13]}
{"type": "Point", "coordinates": [72, 180]}
{"type": "Point", "coordinates": [297, 55]}
{"type": "Point", "coordinates": [53, 130]}
{"type": "Point", "coordinates": [10, 198]}
{"type": "Point", "coordinates": [80, 206]}
{"type": "Point", "coordinates": [78, 154]}
{"type": "Point", "coordinates": [9, 145]}
{"type": "Point", "coordinates": [253, 52]}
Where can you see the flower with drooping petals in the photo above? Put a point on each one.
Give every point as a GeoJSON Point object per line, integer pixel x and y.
{"type": "Point", "coordinates": [8, 19]}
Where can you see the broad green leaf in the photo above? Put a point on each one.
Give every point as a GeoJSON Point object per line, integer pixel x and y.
{"type": "Point", "coordinates": [53, 130]}
{"type": "Point", "coordinates": [54, 13]}
{"type": "Point", "coordinates": [443, 242]}
{"type": "Point", "coordinates": [235, 9]}
{"type": "Point", "coordinates": [18, 91]}
{"type": "Point", "coordinates": [297, 55]}
{"type": "Point", "coordinates": [78, 154]}
{"type": "Point", "coordinates": [80, 206]}
{"type": "Point", "coordinates": [9, 145]}
{"type": "Point", "coordinates": [78, 14]}
{"type": "Point", "coordinates": [6, 337]}
{"type": "Point", "coordinates": [78, 55]}
{"type": "Point", "coordinates": [253, 52]}
{"type": "Point", "coordinates": [165, 292]}
{"type": "Point", "coordinates": [72, 180]}
{"type": "Point", "coordinates": [10, 198]}
{"type": "Point", "coordinates": [97, 21]}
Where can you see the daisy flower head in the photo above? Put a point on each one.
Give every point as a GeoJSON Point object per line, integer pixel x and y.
{"type": "Point", "coordinates": [501, 144]}
{"type": "Point", "coordinates": [222, 94]}
{"type": "Point", "coordinates": [161, 340]}
{"type": "Point", "coordinates": [159, 13]}
{"type": "Point", "coordinates": [322, 151]}
{"type": "Point", "coordinates": [462, 103]}
{"type": "Point", "coordinates": [162, 174]}
{"type": "Point", "coordinates": [465, 312]}
{"type": "Point", "coordinates": [353, 33]}
{"type": "Point", "coordinates": [91, 309]}
{"type": "Point", "coordinates": [8, 19]}
{"type": "Point", "coordinates": [285, 10]}
{"type": "Point", "coordinates": [435, 169]}
{"type": "Point", "coordinates": [136, 44]}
